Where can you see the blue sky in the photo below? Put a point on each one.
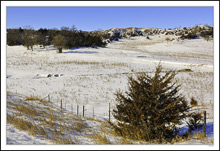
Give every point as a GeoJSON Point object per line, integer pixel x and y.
{"type": "Point", "coordinates": [93, 18]}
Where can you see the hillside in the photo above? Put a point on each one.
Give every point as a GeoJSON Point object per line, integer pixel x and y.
{"type": "Point", "coordinates": [199, 30]}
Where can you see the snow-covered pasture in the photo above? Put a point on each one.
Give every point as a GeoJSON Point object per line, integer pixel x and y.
{"type": "Point", "coordinates": [90, 77]}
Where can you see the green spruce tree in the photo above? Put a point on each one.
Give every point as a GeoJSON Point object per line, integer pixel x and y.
{"type": "Point", "coordinates": [151, 108]}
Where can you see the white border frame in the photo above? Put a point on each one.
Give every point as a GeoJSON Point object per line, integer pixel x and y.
{"type": "Point", "coordinates": [215, 4]}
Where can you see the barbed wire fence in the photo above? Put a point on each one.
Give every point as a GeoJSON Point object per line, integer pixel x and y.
{"type": "Point", "coordinates": [83, 111]}
{"type": "Point", "coordinates": [90, 112]}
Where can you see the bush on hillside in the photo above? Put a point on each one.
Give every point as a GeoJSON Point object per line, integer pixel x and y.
{"type": "Point", "coordinates": [189, 36]}
{"type": "Point", "coordinates": [193, 102]}
{"type": "Point", "coordinates": [194, 122]}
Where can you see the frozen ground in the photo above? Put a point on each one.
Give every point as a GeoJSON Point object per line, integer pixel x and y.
{"type": "Point", "coordinates": [89, 77]}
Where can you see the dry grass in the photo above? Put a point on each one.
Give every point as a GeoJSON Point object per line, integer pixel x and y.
{"type": "Point", "coordinates": [19, 123]}
{"type": "Point", "coordinates": [38, 120]}
{"type": "Point", "coordinates": [78, 62]}
{"type": "Point", "coordinates": [31, 98]}
{"type": "Point", "coordinates": [27, 125]}
{"type": "Point", "coordinates": [135, 45]}
{"type": "Point", "coordinates": [99, 138]}
{"type": "Point", "coordinates": [79, 126]}
{"type": "Point", "coordinates": [168, 39]}
{"type": "Point", "coordinates": [184, 70]}
{"type": "Point", "coordinates": [91, 64]}
{"type": "Point", "coordinates": [66, 140]}
{"type": "Point", "coordinates": [183, 55]}
{"type": "Point", "coordinates": [199, 136]}
{"type": "Point", "coordinates": [106, 128]}
{"type": "Point", "coordinates": [125, 141]}
{"type": "Point", "coordinates": [198, 85]}
{"type": "Point", "coordinates": [28, 110]}
{"type": "Point", "coordinates": [92, 119]}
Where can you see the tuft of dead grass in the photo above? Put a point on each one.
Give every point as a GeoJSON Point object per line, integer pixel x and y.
{"type": "Point", "coordinates": [99, 138]}
{"type": "Point", "coordinates": [93, 119]}
{"type": "Point", "coordinates": [125, 141]}
{"type": "Point", "coordinates": [27, 125]}
{"type": "Point", "coordinates": [26, 110]}
{"type": "Point", "coordinates": [79, 126]}
{"type": "Point", "coordinates": [184, 70]}
{"type": "Point", "coordinates": [31, 98]}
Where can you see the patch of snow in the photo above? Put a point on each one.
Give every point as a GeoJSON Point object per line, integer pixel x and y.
{"type": "Point", "coordinates": [17, 137]}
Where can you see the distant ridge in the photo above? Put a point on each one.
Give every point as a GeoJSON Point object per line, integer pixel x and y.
{"type": "Point", "coordinates": [198, 30]}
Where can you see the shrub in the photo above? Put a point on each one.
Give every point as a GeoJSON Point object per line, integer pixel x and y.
{"type": "Point", "coordinates": [168, 39]}
{"type": "Point", "coordinates": [194, 121]}
{"type": "Point", "coordinates": [189, 36]}
{"type": "Point", "coordinates": [151, 108]}
{"type": "Point", "coordinates": [193, 102]}
{"type": "Point", "coordinates": [206, 37]}
{"type": "Point", "coordinates": [207, 33]}
{"type": "Point", "coordinates": [184, 70]}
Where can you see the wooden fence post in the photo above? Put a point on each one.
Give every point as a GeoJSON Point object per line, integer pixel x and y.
{"type": "Point", "coordinates": [61, 104]}
{"type": "Point", "coordinates": [205, 123]}
{"type": "Point", "coordinates": [71, 108]}
{"type": "Point", "coordinates": [77, 110]}
{"type": "Point", "coordinates": [83, 110]}
{"type": "Point", "coordinates": [109, 112]}
{"type": "Point", "coordinates": [49, 97]}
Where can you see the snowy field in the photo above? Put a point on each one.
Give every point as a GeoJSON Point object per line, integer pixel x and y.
{"type": "Point", "coordinates": [90, 77]}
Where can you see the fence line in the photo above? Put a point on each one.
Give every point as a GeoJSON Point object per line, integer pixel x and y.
{"type": "Point", "coordinates": [109, 113]}
{"type": "Point", "coordinates": [109, 109]}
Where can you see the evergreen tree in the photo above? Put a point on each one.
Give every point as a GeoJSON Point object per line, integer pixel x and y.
{"type": "Point", "coordinates": [42, 37]}
{"type": "Point", "coordinates": [151, 108]}
{"type": "Point", "coordinates": [14, 37]}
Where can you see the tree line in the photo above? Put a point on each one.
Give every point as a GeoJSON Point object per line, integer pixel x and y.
{"type": "Point", "coordinates": [65, 38]}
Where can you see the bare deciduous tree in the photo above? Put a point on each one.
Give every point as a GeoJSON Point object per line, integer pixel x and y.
{"type": "Point", "coordinates": [59, 42]}
{"type": "Point", "coordinates": [30, 39]}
